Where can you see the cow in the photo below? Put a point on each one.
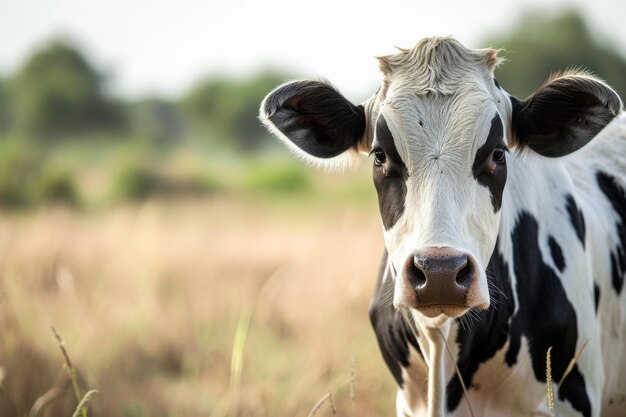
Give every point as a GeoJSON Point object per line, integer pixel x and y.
{"type": "Point", "coordinates": [504, 223]}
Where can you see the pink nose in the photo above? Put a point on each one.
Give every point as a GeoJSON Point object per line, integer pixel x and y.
{"type": "Point", "coordinates": [439, 276]}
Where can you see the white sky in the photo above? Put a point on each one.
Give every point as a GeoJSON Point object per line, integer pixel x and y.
{"type": "Point", "coordinates": [165, 46]}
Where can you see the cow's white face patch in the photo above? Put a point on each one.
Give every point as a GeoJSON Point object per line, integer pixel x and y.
{"type": "Point", "coordinates": [440, 170]}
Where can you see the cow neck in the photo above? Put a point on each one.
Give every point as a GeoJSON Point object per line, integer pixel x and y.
{"type": "Point", "coordinates": [434, 351]}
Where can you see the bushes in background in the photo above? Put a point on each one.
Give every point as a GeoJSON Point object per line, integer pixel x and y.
{"type": "Point", "coordinates": [137, 181]}
{"type": "Point", "coordinates": [28, 179]}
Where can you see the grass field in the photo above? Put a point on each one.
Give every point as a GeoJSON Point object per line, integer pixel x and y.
{"type": "Point", "coordinates": [148, 298]}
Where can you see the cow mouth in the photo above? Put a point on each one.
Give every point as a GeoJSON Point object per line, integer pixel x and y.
{"type": "Point", "coordinates": [451, 311]}
{"type": "Point", "coordinates": [437, 314]}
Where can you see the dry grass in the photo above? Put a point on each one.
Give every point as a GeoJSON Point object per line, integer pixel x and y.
{"type": "Point", "coordinates": [149, 298]}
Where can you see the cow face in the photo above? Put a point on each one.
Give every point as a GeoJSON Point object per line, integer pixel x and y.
{"type": "Point", "coordinates": [441, 132]}
{"type": "Point", "coordinates": [440, 170]}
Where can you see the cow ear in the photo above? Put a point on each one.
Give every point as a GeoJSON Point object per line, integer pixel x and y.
{"type": "Point", "coordinates": [564, 114]}
{"type": "Point", "coordinates": [313, 118]}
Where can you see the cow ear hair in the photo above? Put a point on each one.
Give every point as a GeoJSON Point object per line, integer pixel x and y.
{"type": "Point", "coordinates": [315, 121]}
{"type": "Point", "coordinates": [564, 114]}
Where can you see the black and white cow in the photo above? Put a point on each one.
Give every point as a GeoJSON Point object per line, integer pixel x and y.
{"type": "Point", "coordinates": [504, 226]}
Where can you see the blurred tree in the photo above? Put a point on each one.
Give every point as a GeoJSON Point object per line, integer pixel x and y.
{"type": "Point", "coordinates": [540, 45]}
{"type": "Point", "coordinates": [229, 108]}
{"type": "Point", "coordinates": [156, 120]}
{"type": "Point", "coordinates": [57, 92]}
{"type": "Point", "coordinates": [5, 106]}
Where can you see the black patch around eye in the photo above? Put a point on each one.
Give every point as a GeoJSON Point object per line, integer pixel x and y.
{"type": "Point", "coordinates": [389, 177]}
{"type": "Point", "coordinates": [386, 142]}
{"type": "Point", "coordinates": [379, 157]}
{"type": "Point", "coordinates": [495, 180]}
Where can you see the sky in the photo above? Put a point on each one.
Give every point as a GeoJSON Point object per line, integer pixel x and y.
{"type": "Point", "coordinates": [163, 47]}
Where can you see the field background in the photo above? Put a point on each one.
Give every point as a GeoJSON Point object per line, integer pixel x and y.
{"type": "Point", "coordinates": [147, 298]}
{"type": "Point", "coordinates": [193, 266]}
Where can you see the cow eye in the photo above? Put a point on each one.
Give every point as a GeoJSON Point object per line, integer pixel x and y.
{"type": "Point", "coordinates": [379, 157]}
{"type": "Point", "coordinates": [498, 155]}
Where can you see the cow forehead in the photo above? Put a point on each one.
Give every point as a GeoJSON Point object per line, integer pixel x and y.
{"type": "Point", "coordinates": [448, 129]}
{"type": "Point", "coordinates": [437, 65]}
{"type": "Point", "coordinates": [437, 93]}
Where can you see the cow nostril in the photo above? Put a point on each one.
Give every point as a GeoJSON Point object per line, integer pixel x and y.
{"type": "Point", "coordinates": [463, 277]}
{"type": "Point", "coordinates": [420, 278]}
{"type": "Point", "coordinates": [416, 275]}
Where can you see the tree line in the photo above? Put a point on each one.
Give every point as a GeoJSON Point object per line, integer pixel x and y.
{"type": "Point", "coordinates": [58, 94]}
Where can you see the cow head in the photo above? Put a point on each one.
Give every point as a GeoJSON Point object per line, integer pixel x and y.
{"type": "Point", "coordinates": [440, 131]}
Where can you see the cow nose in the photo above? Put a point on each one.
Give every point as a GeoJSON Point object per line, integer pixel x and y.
{"type": "Point", "coordinates": [439, 276]}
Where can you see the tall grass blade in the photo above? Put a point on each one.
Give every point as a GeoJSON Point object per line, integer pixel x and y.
{"type": "Point", "coordinates": [318, 405]}
{"type": "Point", "coordinates": [70, 370]}
{"type": "Point", "coordinates": [333, 409]}
{"type": "Point", "coordinates": [549, 380]}
{"type": "Point", "coordinates": [458, 373]}
{"type": "Point", "coordinates": [328, 397]}
{"type": "Point", "coordinates": [43, 401]}
{"type": "Point", "coordinates": [573, 361]}
{"type": "Point", "coordinates": [352, 382]}
{"type": "Point", "coordinates": [82, 405]}
{"type": "Point", "coordinates": [236, 362]}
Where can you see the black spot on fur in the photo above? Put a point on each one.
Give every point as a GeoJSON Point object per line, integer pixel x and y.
{"type": "Point", "coordinates": [497, 84]}
{"type": "Point", "coordinates": [557, 254]}
{"type": "Point", "coordinates": [393, 334]}
{"type": "Point", "coordinates": [544, 323]}
{"type": "Point", "coordinates": [485, 337]}
{"type": "Point", "coordinates": [576, 218]}
{"type": "Point", "coordinates": [488, 172]}
{"type": "Point", "coordinates": [390, 177]}
{"type": "Point", "coordinates": [596, 296]}
{"type": "Point", "coordinates": [617, 269]}
{"type": "Point", "coordinates": [615, 194]}
{"type": "Point", "coordinates": [315, 117]}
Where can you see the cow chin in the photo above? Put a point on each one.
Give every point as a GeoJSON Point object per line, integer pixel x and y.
{"type": "Point", "coordinates": [437, 320]}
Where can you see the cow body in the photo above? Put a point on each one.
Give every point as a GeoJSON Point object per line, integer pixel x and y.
{"type": "Point", "coordinates": [504, 224]}
{"type": "Point", "coordinates": [556, 283]}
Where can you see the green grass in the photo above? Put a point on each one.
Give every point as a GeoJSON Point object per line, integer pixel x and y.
{"type": "Point", "coordinates": [81, 406]}
{"type": "Point", "coordinates": [84, 175]}
{"type": "Point", "coordinates": [276, 177]}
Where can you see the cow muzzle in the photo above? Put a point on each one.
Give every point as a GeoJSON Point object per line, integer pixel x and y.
{"type": "Point", "coordinates": [438, 281]}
